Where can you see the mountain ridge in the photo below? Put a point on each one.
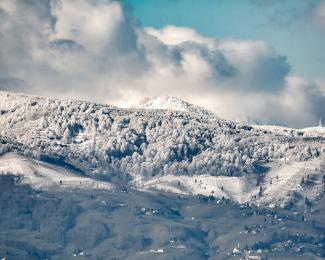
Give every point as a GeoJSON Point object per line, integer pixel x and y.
{"type": "Point", "coordinates": [173, 104]}
{"type": "Point", "coordinates": [137, 147]}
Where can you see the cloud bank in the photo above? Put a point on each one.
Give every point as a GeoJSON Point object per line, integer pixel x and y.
{"type": "Point", "coordinates": [95, 49]}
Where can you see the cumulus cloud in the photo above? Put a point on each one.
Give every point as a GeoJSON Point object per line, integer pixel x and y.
{"type": "Point", "coordinates": [173, 35]}
{"type": "Point", "coordinates": [300, 103]}
{"type": "Point", "coordinates": [55, 50]}
{"type": "Point", "coordinates": [99, 52]}
{"type": "Point", "coordinates": [243, 66]}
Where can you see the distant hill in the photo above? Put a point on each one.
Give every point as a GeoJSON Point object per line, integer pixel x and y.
{"type": "Point", "coordinates": [173, 104]}
{"type": "Point", "coordinates": [175, 149]}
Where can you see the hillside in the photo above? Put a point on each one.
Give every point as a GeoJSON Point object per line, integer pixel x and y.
{"type": "Point", "coordinates": [182, 151]}
{"type": "Point", "coordinates": [81, 180]}
{"type": "Point", "coordinates": [110, 224]}
{"type": "Point", "coordinates": [173, 104]}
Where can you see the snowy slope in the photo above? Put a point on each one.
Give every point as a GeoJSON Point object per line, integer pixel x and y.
{"type": "Point", "coordinates": [152, 149]}
{"type": "Point", "coordinates": [307, 132]}
{"type": "Point", "coordinates": [314, 131]}
{"type": "Point", "coordinates": [303, 178]}
{"type": "Point", "coordinates": [173, 104]}
{"type": "Point", "coordinates": [41, 175]}
{"type": "Point", "coordinates": [277, 185]}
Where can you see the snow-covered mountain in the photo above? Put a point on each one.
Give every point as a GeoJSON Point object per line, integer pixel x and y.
{"type": "Point", "coordinates": [173, 104]}
{"type": "Point", "coordinates": [179, 151]}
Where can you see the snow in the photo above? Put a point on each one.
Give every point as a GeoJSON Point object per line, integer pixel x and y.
{"type": "Point", "coordinates": [316, 131]}
{"type": "Point", "coordinates": [173, 104]}
{"type": "Point", "coordinates": [278, 184]}
{"type": "Point", "coordinates": [41, 175]}
{"type": "Point", "coordinates": [234, 188]}
{"type": "Point", "coordinates": [188, 151]}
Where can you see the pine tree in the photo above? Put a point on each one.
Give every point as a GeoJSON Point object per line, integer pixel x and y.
{"type": "Point", "coordinates": [260, 193]}
{"type": "Point", "coordinates": [302, 181]}
{"type": "Point", "coordinates": [307, 202]}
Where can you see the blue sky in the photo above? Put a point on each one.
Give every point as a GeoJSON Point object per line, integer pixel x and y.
{"type": "Point", "coordinates": [284, 25]}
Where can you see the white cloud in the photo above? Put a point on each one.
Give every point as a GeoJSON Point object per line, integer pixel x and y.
{"type": "Point", "coordinates": [100, 53]}
{"type": "Point", "coordinates": [92, 25]}
{"type": "Point", "coordinates": [173, 35]}
{"type": "Point", "coordinates": [227, 64]}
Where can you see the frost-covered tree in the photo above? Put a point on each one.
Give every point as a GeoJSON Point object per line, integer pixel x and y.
{"type": "Point", "coordinates": [124, 142]}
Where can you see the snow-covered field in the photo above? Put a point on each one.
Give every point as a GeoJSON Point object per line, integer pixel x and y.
{"type": "Point", "coordinates": [238, 189]}
{"type": "Point", "coordinates": [275, 188]}
{"type": "Point", "coordinates": [304, 178]}
{"type": "Point", "coordinates": [41, 175]}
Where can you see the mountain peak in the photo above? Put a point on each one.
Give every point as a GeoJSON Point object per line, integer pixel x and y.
{"type": "Point", "coordinates": [173, 104]}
